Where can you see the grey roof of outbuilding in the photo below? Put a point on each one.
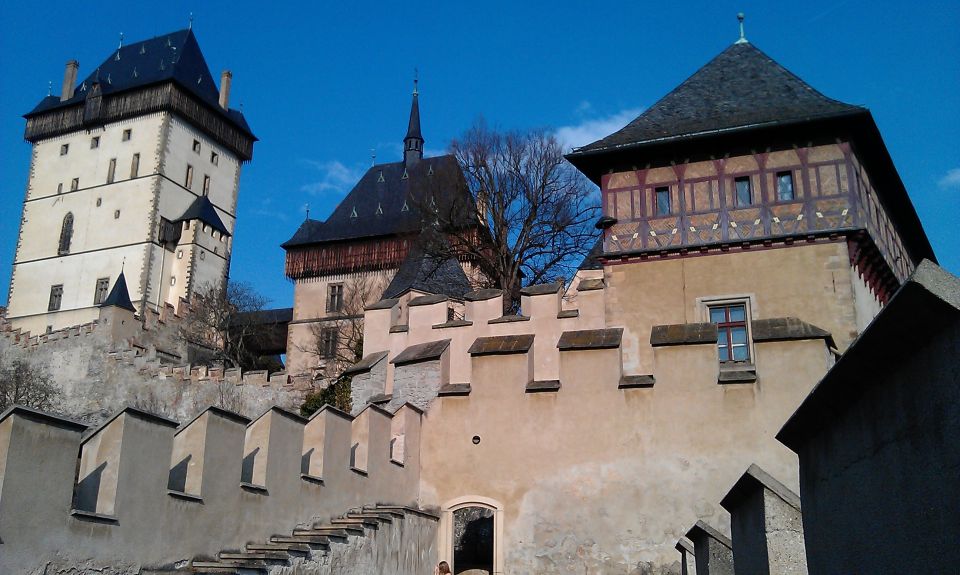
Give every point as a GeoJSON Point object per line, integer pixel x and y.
{"type": "Point", "coordinates": [172, 57]}
{"type": "Point", "coordinates": [428, 268]}
{"type": "Point", "coordinates": [741, 88]}
{"type": "Point", "coordinates": [202, 209]}
{"type": "Point", "coordinates": [384, 202]}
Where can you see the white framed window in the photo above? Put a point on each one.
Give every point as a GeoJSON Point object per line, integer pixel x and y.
{"type": "Point", "coordinates": [732, 316]}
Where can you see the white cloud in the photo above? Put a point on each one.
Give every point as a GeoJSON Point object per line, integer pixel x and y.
{"type": "Point", "coordinates": [592, 130]}
{"type": "Point", "coordinates": [950, 180]}
{"type": "Point", "coordinates": [336, 178]}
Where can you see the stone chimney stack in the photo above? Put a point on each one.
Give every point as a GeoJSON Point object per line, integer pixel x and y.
{"type": "Point", "coordinates": [225, 78]}
{"type": "Point", "coordinates": [69, 80]}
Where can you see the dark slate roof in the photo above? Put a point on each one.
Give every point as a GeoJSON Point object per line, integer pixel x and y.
{"type": "Point", "coordinates": [119, 296]}
{"type": "Point", "coordinates": [172, 57]}
{"type": "Point", "coordinates": [429, 269]}
{"type": "Point", "coordinates": [591, 261]}
{"type": "Point", "coordinates": [413, 128]}
{"type": "Point", "coordinates": [741, 88]}
{"type": "Point", "coordinates": [384, 202]}
{"type": "Point", "coordinates": [282, 315]}
{"type": "Point", "coordinates": [202, 209]}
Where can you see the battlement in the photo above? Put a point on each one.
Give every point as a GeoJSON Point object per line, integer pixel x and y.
{"type": "Point", "coordinates": [215, 482]}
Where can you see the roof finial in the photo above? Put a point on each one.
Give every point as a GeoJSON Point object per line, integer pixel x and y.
{"type": "Point", "coordinates": [121, 41]}
{"type": "Point", "coordinates": [306, 208]}
{"type": "Point", "coordinates": [416, 79]}
{"type": "Point", "coordinates": [190, 25]}
{"type": "Point", "coordinates": [743, 39]}
{"type": "Point", "coordinates": [49, 87]}
{"type": "Point", "coordinates": [123, 262]}
{"type": "Point", "coordinates": [373, 157]}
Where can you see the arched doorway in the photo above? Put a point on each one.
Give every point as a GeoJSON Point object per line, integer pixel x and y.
{"type": "Point", "coordinates": [471, 530]}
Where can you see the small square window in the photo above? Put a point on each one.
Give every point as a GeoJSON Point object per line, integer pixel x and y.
{"type": "Point", "coordinates": [116, 214]}
{"type": "Point", "coordinates": [744, 193]}
{"type": "Point", "coordinates": [127, 134]}
{"type": "Point", "coordinates": [74, 184]}
{"type": "Point", "coordinates": [173, 280]}
{"type": "Point", "coordinates": [196, 146]}
{"type": "Point", "coordinates": [94, 142]}
{"type": "Point", "coordinates": [663, 200]}
{"type": "Point", "coordinates": [784, 186]}
{"type": "Point", "coordinates": [214, 158]}
{"type": "Point", "coordinates": [100, 292]}
{"type": "Point", "coordinates": [731, 320]}
{"type": "Point", "coordinates": [64, 148]}
{"type": "Point", "coordinates": [328, 342]}
{"type": "Point", "coordinates": [334, 298]}
{"type": "Point", "coordinates": [56, 297]}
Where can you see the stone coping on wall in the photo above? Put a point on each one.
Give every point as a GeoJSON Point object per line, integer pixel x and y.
{"type": "Point", "coordinates": [327, 408]}
{"type": "Point", "coordinates": [43, 417]}
{"type": "Point", "coordinates": [636, 382]}
{"type": "Point", "coordinates": [787, 329]}
{"type": "Point", "coordinates": [133, 412]}
{"type": "Point", "coordinates": [454, 390]}
{"type": "Point", "coordinates": [501, 345]}
{"type": "Point", "coordinates": [606, 338]}
{"type": "Point", "coordinates": [366, 364]}
{"type": "Point", "coordinates": [753, 479]}
{"type": "Point", "coordinates": [546, 385]}
{"type": "Point", "coordinates": [282, 412]}
{"type": "Point", "coordinates": [399, 328]}
{"type": "Point", "coordinates": [383, 304]}
{"type": "Point", "coordinates": [542, 289]}
{"type": "Point", "coordinates": [421, 352]}
{"type": "Point", "coordinates": [429, 299]}
{"type": "Point", "coordinates": [927, 302]}
{"type": "Point", "coordinates": [684, 545]}
{"type": "Point", "coordinates": [380, 398]}
{"type": "Point", "coordinates": [453, 323]}
{"type": "Point", "coordinates": [483, 294]}
{"type": "Point", "coordinates": [737, 373]}
{"type": "Point", "coordinates": [568, 313]}
{"type": "Point", "coordinates": [683, 334]}
{"type": "Point", "coordinates": [220, 412]}
{"type": "Point", "coordinates": [701, 528]}
{"type": "Point", "coordinates": [509, 319]}
{"type": "Point", "coordinates": [590, 284]}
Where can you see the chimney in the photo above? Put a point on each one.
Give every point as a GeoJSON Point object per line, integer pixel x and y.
{"type": "Point", "coordinates": [69, 80]}
{"type": "Point", "coordinates": [225, 77]}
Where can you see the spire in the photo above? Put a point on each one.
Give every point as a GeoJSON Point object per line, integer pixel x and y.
{"type": "Point", "coordinates": [743, 39]}
{"type": "Point", "coordinates": [413, 141]}
{"type": "Point", "coordinates": [119, 296]}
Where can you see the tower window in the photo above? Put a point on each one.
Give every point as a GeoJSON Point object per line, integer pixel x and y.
{"type": "Point", "coordinates": [744, 193]}
{"type": "Point", "coordinates": [66, 235]}
{"type": "Point", "coordinates": [111, 170]}
{"type": "Point", "coordinates": [328, 342]}
{"type": "Point", "coordinates": [206, 185]}
{"type": "Point", "coordinates": [100, 293]}
{"type": "Point", "coordinates": [99, 201]}
{"type": "Point", "coordinates": [127, 134]}
{"type": "Point", "coordinates": [64, 148]}
{"type": "Point", "coordinates": [60, 188]}
{"type": "Point", "coordinates": [74, 184]}
{"type": "Point", "coordinates": [116, 214]}
{"type": "Point", "coordinates": [784, 186]}
{"type": "Point", "coordinates": [196, 146]}
{"type": "Point", "coordinates": [56, 296]}
{"type": "Point", "coordinates": [731, 320]}
{"type": "Point", "coordinates": [135, 166]}
{"type": "Point", "coordinates": [94, 142]}
{"type": "Point", "coordinates": [662, 195]}
{"type": "Point", "coordinates": [214, 158]}
{"type": "Point", "coordinates": [335, 297]}
{"type": "Point", "coordinates": [188, 181]}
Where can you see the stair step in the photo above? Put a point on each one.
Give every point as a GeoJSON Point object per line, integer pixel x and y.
{"type": "Point", "coordinates": [372, 523]}
{"type": "Point", "coordinates": [350, 528]}
{"type": "Point", "coordinates": [308, 536]}
{"type": "Point", "coordinates": [253, 556]}
{"type": "Point", "coordinates": [381, 517]}
{"type": "Point", "coordinates": [335, 532]}
{"type": "Point", "coordinates": [395, 512]}
{"type": "Point", "coordinates": [289, 547]}
{"type": "Point", "coordinates": [226, 566]}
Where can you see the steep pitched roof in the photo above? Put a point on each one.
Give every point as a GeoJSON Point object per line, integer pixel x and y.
{"type": "Point", "coordinates": [119, 296]}
{"type": "Point", "coordinates": [172, 57]}
{"type": "Point", "coordinates": [202, 209]}
{"type": "Point", "coordinates": [413, 127]}
{"type": "Point", "coordinates": [741, 88]}
{"type": "Point", "coordinates": [429, 269]}
{"type": "Point", "coordinates": [391, 199]}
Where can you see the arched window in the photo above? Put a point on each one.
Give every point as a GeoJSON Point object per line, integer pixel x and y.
{"type": "Point", "coordinates": [66, 234]}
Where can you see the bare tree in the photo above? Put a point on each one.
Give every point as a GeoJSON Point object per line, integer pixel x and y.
{"type": "Point", "coordinates": [22, 383]}
{"type": "Point", "coordinates": [212, 322]}
{"type": "Point", "coordinates": [537, 209]}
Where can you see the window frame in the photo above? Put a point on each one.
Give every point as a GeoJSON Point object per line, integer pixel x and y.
{"type": "Point", "coordinates": [112, 170]}
{"type": "Point", "coordinates": [56, 297]}
{"type": "Point", "coordinates": [657, 191]}
{"type": "Point", "coordinates": [94, 142]}
{"type": "Point", "coordinates": [749, 301]}
{"type": "Point", "coordinates": [101, 290]}
{"type": "Point", "coordinates": [74, 184]}
{"type": "Point", "coordinates": [335, 297]}
{"type": "Point", "coordinates": [206, 185]}
{"type": "Point", "coordinates": [135, 166]}
{"type": "Point", "coordinates": [793, 187]}
{"type": "Point", "coordinates": [736, 191]}
{"type": "Point", "coordinates": [66, 235]}
{"type": "Point", "coordinates": [196, 146]}
{"type": "Point", "coordinates": [127, 135]}
{"type": "Point", "coordinates": [329, 340]}
{"type": "Point", "coordinates": [64, 149]}
{"type": "Point", "coordinates": [214, 158]}
{"type": "Point", "coordinates": [188, 179]}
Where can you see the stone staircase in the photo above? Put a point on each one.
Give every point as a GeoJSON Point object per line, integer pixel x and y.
{"type": "Point", "coordinates": [307, 544]}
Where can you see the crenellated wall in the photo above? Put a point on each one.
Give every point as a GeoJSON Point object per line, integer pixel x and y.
{"type": "Point", "coordinates": [149, 492]}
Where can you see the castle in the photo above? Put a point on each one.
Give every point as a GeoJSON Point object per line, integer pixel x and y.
{"type": "Point", "coordinates": [647, 418]}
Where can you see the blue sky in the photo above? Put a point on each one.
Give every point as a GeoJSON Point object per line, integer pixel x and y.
{"type": "Point", "coordinates": [321, 85]}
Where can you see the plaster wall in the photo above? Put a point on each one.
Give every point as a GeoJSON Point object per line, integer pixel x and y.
{"type": "Point", "coordinates": [811, 282]}
{"type": "Point", "coordinates": [604, 476]}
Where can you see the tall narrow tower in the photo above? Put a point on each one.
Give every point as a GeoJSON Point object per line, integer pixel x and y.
{"type": "Point", "coordinates": [137, 168]}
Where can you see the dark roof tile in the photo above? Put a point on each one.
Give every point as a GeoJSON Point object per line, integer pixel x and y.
{"type": "Point", "coordinates": [607, 338]}
{"type": "Point", "coordinates": [421, 352]}
{"type": "Point", "coordinates": [202, 209]}
{"type": "Point", "coordinates": [501, 345]}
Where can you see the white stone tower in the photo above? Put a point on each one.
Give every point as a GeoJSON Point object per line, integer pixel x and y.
{"type": "Point", "coordinates": [135, 168]}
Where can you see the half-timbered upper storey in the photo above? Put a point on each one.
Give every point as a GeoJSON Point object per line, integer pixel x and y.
{"type": "Point", "coordinates": [744, 154]}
